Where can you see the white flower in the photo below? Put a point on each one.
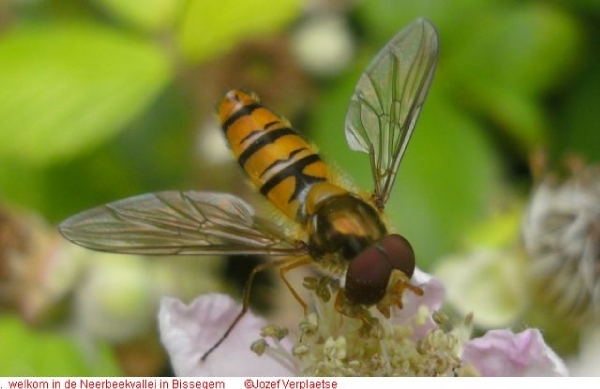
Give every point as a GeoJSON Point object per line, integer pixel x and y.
{"type": "Point", "coordinates": [501, 353]}
{"type": "Point", "coordinates": [187, 331]}
{"type": "Point", "coordinates": [413, 341]}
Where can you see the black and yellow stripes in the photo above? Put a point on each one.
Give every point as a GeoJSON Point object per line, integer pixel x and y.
{"type": "Point", "coordinates": [267, 137]}
{"type": "Point", "coordinates": [281, 164]}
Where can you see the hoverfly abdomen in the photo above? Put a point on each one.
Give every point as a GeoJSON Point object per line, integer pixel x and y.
{"type": "Point", "coordinates": [281, 164]}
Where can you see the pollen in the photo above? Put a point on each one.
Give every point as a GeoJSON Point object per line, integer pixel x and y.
{"type": "Point", "coordinates": [328, 343]}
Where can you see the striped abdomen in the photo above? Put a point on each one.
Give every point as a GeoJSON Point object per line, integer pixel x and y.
{"type": "Point", "coordinates": [282, 165]}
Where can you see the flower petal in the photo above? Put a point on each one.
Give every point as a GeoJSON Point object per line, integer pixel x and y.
{"type": "Point", "coordinates": [432, 298]}
{"type": "Point", "coordinates": [434, 291]}
{"type": "Point", "coordinates": [501, 353]}
{"type": "Point", "coordinates": [187, 331]}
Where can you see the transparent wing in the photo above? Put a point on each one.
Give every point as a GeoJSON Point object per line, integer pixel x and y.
{"type": "Point", "coordinates": [387, 101]}
{"type": "Point", "coordinates": [172, 222]}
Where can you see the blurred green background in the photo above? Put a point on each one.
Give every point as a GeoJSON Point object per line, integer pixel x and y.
{"type": "Point", "coordinates": [104, 99]}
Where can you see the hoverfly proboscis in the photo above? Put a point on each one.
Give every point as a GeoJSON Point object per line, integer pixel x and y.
{"type": "Point", "coordinates": [343, 233]}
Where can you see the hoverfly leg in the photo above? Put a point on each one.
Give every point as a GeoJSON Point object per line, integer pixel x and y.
{"type": "Point", "coordinates": [406, 285]}
{"type": "Point", "coordinates": [282, 272]}
{"type": "Point", "coordinates": [395, 293]}
{"type": "Point", "coordinates": [356, 311]}
{"type": "Point", "coordinates": [413, 288]}
{"type": "Point", "coordinates": [339, 301]}
{"type": "Point", "coordinates": [288, 264]}
{"type": "Point", "coordinates": [400, 287]}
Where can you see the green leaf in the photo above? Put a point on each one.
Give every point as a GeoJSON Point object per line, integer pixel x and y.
{"type": "Point", "coordinates": [383, 18]}
{"type": "Point", "coordinates": [577, 129]}
{"type": "Point", "coordinates": [27, 352]}
{"type": "Point", "coordinates": [520, 115]}
{"type": "Point", "coordinates": [212, 27]}
{"type": "Point", "coordinates": [529, 49]}
{"type": "Point", "coordinates": [147, 14]}
{"type": "Point", "coordinates": [68, 88]}
{"type": "Point", "coordinates": [20, 184]}
{"type": "Point", "coordinates": [507, 62]}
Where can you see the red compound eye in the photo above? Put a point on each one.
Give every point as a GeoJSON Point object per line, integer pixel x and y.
{"type": "Point", "coordinates": [369, 273]}
{"type": "Point", "coordinates": [400, 253]}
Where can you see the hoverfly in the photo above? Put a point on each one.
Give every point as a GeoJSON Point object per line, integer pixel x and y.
{"type": "Point", "coordinates": [342, 232]}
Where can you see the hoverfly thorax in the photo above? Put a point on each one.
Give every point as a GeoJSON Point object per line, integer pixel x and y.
{"type": "Point", "coordinates": [342, 226]}
{"type": "Point", "coordinates": [348, 236]}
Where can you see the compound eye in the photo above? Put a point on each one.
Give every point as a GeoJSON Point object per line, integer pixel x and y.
{"type": "Point", "coordinates": [368, 276]}
{"type": "Point", "coordinates": [400, 253]}
{"type": "Point", "coordinates": [369, 273]}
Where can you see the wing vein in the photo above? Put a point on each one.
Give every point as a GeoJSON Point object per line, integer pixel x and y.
{"type": "Point", "coordinates": [387, 101]}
